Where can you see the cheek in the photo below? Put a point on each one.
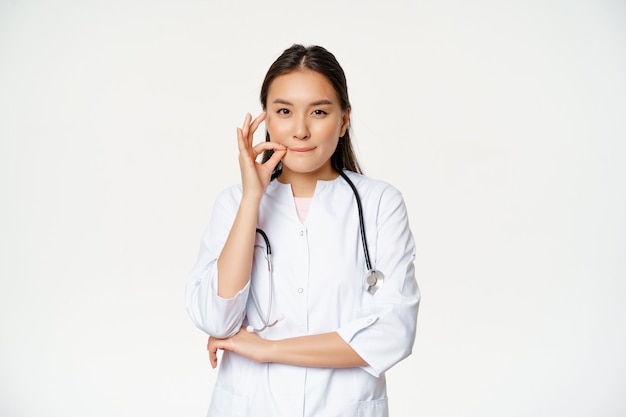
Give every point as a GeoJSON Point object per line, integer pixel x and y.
{"type": "Point", "coordinates": [329, 130]}
{"type": "Point", "coordinates": [275, 129]}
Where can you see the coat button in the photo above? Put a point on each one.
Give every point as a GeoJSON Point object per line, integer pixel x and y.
{"type": "Point", "coordinates": [300, 290]}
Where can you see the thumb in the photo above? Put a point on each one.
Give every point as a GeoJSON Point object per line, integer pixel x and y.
{"type": "Point", "coordinates": [275, 158]}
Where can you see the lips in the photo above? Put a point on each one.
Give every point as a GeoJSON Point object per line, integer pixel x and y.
{"type": "Point", "coordinates": [301, 150]}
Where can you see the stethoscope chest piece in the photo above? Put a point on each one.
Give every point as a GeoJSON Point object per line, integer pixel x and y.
{"type": "Point", "coordinates": [373, 281]}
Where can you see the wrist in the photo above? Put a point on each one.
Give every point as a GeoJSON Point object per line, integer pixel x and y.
{"type": "Point", "coordinates": [250, 198]}
{"type": "Point", "coordinates": [270, 353]}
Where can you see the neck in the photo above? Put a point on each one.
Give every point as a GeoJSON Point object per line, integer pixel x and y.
{"type": "Point", "coordinates": [303, 184]}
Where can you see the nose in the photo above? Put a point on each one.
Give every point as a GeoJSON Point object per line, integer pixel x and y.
{"type": "Point", "coordinates": [301, 129]}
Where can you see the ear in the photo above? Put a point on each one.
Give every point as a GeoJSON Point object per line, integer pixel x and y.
{"type": "Point", "coordinates": [345, 121]}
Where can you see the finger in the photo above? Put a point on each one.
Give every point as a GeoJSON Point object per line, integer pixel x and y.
{"type": "Point", "coordinates": [245, 152]}
{"type": "Point", "coordinates": [256, 122]}
{"type": "Point", "coordinates": [212, 355]}
{"type": "Point", "coordinates": [261, 147]}
{"type": "Point", "coordinates": [245, 128]}
{"type": "Point", "coordinates": [275, 158]}
{"type": "Point", "coordinates": [241, 143]}
{"type": "Point", "coordinates": [246, 120]}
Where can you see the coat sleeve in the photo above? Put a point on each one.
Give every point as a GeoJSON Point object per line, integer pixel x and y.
{"type": "Point", "coordinates": [216, 316]}
{"type": "Point", "coordinates": [384, 331]}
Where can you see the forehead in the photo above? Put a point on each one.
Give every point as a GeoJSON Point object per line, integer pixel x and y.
{"type": "Point", "coordinates": [304, 85]}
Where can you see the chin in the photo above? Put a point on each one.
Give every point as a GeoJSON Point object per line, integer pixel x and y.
{"type": "Point", "coordinates": [320, 172]}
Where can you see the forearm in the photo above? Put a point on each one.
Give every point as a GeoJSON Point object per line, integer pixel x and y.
{"type": "Point", "coordinates": [327, 350]}
{"type": "Point", "coordinates": [235, 260]}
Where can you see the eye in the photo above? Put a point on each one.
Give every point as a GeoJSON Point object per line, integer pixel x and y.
{"type": "Point", "coordinates": [284, 112]}
{"type": "Point", "coordinates": [319, 112]}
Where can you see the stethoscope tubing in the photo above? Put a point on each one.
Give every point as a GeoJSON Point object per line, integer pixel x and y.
{"type": "Point", "coordinates": [359, 206]}
{"type": "Point", "coordinates": [371, 287]}
{"type": "Point", "coordinates": [266, 320]}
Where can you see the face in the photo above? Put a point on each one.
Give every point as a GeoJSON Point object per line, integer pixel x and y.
{"type": "Point", "coordinates": [304, 114]}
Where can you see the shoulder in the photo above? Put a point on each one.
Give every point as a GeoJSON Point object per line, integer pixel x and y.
{"type": "Point", "coordinates": [379, 197]}
{"type": "Point", "coordinates": [369, 187]}
{"type": "Point", "coordinates": [229, 197]}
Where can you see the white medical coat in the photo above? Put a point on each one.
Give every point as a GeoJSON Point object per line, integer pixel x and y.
{"type": "Point", "coordinates": [318, 286]}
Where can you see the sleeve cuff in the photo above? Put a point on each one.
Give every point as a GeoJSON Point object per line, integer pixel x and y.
{"type": "Point", "coordinates": [348, 332]}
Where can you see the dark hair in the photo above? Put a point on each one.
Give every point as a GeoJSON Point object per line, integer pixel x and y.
{"type": "Point", "coordinates": [318, 59]}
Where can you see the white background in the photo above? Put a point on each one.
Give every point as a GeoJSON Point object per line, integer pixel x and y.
{"type": "Point", "coordinates": [503, 123]}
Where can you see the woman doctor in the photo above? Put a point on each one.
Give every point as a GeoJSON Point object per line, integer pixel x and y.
{"type": "Point", "coordinates": [302, 331]}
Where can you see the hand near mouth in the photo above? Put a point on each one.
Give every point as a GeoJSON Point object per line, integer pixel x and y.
{"type": "Point", "coordinates": [256, 176]}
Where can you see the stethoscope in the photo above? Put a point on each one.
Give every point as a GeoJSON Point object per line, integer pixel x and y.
{"type": "Point", "coordinates": [373, 279]}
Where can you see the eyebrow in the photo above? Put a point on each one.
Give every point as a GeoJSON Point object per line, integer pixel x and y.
{"type": "Point", "coordinates": [315, 103]}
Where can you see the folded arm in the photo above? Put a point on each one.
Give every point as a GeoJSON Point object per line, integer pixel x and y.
{"type": "Point", "coordinates": [326, 350]}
